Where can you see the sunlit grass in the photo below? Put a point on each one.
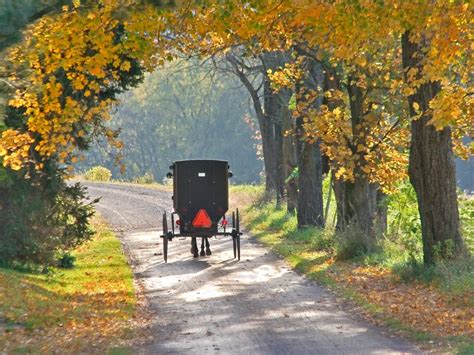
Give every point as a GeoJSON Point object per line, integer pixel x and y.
{"type": "Point", "coordinates": [153, 185]}
{"type": "Point", "coordinates": [241, 196]}
{"type": "Point", "coordinates": [91, 302]}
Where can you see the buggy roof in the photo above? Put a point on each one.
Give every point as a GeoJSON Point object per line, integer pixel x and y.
{"type": "Point", "coordinates": [203, 160]}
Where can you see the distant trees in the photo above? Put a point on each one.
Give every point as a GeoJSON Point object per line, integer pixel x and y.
{"type": "Point", "coordinates": [187, 110]}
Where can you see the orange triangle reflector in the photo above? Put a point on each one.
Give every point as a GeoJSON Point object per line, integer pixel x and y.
{"type": "Point", "coordinates": [202, 220]}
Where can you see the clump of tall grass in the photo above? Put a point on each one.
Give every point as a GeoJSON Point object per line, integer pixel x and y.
{"type": "Point", "coordinates": [98, 173]}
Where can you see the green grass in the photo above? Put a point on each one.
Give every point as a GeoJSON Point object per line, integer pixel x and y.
{"type": "Point", "coordinates": [91, 302]}
{"type": "Point", "coordinates": [279, 230]}
{"type": "Point", "coordinates": [466, 213]}
{"type": "Point", "coordinates": [467, 348]}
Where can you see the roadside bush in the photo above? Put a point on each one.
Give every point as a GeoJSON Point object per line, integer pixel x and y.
{"type": "Point", "coordinates": [404, 227]}
{"type": "Point", "coordinates": [147, 178]}
{"type": "Point", "coordinates": [323, 239]}
{"type": "Point", "coordinates": [66, 261]}
{"type": "Point", "coordinates": [98, 173]}
{"type": "Point", "coordinates": [415, 270]}
{"type": "Point", "coordinates": [40, 218]}
{"type": "Point", "coordinates": [352, 243]}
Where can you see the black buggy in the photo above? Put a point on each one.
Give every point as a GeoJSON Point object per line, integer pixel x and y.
{"type": "Point", "coordinates": [200, 201]}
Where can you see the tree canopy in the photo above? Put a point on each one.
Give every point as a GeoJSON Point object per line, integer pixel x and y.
{"type": "Point", "coordinates": [394, 95]}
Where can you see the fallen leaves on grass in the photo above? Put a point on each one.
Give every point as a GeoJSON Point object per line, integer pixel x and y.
{"type": "Point", "coordinates": [421, 306]}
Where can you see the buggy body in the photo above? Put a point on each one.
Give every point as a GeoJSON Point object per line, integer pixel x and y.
{"type": "Point", "coordinates": [200, 186]}
{"type": "Point", "coordinates": [200, 202]}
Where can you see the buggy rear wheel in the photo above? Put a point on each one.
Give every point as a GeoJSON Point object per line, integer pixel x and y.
{"type": "Point", "coordinates": [237, 239]}
{"type": "Point", "coordinates": [165, 238]}
{"type": "Point", "coordinates": [234, 237]}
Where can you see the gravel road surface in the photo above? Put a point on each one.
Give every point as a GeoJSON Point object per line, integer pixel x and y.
{"type": "Point", "coordinates": [217, 305]}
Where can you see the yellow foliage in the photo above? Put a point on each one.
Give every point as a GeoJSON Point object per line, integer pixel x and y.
{"type": "Point", "coordinates": [79, 51]}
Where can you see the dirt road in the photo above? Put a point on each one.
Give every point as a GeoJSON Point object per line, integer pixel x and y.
{"type": "Point", "coordinates": [217, 305]}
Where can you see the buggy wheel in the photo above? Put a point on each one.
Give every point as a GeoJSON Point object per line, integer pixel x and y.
{"type": "Point", "coordinates": [237, 239]}
{"type": "Point", "coordinates": [234, 243]}
{"type": "Point", "coordinates": [238, 246]}
{"type": "Point", "coordinates": [165, 238]}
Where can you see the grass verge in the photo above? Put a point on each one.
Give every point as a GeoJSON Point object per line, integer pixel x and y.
{"type": "Point", "coordinates": [151, 185]}
{"type": "Point", "coordinates": [88, 308]}
{"type": "Point", "coordinates": [437, 311]}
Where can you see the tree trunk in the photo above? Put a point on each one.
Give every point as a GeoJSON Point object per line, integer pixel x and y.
{"type": "Point", "coordinates": [277, 111]}
{"type": "Point", "coordinates": [267, 133]}
{"type": "Point", "coordinates": [357, 206]}
{"type": "Point", "coordinates": [310, 180]}
{"type": "Point", "coordinates": [279, 168]}
{"type": "Point", "coordinates": [290, 158]}
{"type": "Point", "coordinates": [431, 168]}
{"type": "Point", "coordinates": [310, 194]}
{"type": "Point", "coordinates": [272, 110]}
{"type": "Point", "coordinates": [382, 212]}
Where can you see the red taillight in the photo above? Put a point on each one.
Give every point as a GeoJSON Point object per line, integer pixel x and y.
{"type": "Point", "coordinates": [224, 222]}
{"type": "Point", "coordinates": [178, 222]}
{"type": "Point", "coordinates": [202, 220]}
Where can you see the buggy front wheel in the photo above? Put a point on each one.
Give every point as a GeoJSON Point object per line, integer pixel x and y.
{"type": "Point", "coordinates": [234, 244]}
{"type": "Point", "coordinates": [237, 238]}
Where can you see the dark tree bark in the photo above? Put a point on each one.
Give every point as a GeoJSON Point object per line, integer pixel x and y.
{"type": "Point", "coordinates": [272, 109]}
{"type": "Point", "coordinates": [357, 205]}
{"type": "Point", "coordinates": [310, 194]}
{"type": "Point", "coordinates": [382, 212]}
{"type": "Point", "coordinates": [291, 184]}
{"type": "Point", "coordinates": [290, 158]}
{"type": "Point", "coordinates": [266, 131]}
{"type": "Point", "coordinates": [432, 169]}
{"type": "Point", "coordinates": [310, 180]}
{"type": "Point", "coordinates": [275, 107]}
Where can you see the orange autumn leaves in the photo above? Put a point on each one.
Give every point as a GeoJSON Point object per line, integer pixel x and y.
{"type": "Point", "coordinates": [422, 306]}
